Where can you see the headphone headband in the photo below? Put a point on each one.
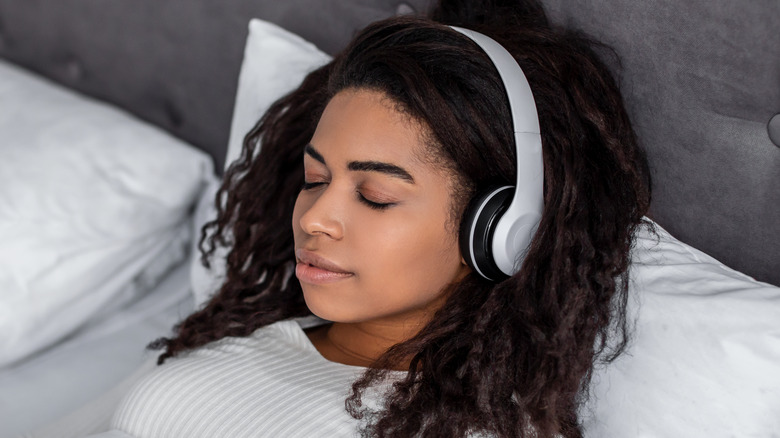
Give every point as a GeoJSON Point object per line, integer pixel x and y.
{"type": "Point", "coordinates": [521, 99]}
{"type": "Point", "coordinates": [509, 228]}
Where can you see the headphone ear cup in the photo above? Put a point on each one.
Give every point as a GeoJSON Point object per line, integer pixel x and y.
{"type": "Point", "coordinates": [477, 229]}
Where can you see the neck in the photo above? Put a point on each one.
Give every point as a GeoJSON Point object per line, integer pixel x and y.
{"type": "Point", "coordinates": [360, 344]}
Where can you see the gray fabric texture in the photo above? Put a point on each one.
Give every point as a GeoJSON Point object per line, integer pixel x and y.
{"type": "Point", "coordinates": [701, 81]}
{"type": "Point", "coordinates": [174, 63]}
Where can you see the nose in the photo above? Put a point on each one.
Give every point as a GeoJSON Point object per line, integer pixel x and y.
{"type": "Point", "coordinates": [322, 215]}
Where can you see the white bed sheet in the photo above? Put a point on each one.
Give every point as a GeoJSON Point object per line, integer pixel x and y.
{"type": "Point", "coordinates": [93, 360]}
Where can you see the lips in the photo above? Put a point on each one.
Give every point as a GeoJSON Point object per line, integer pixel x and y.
{"type": "Point", "coordinates": [312, 268]}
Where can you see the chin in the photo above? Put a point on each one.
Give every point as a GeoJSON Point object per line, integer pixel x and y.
{"type": "Point", "coordinates": [320, 306]}
{"type": "Point", "coordinates": [331, 310]}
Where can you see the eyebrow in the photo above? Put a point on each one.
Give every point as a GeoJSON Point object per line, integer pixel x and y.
{"type": "Point", "coordinates": [309, 150]}
{"type": "Point", "coordinates": [366, 166]}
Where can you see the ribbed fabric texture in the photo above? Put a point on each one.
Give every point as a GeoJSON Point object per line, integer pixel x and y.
{"type": "Point", "coordinates": [273, 383]}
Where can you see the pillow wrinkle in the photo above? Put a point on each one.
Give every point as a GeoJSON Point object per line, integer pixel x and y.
{"type": "Point", "coordinates": [92, 207]}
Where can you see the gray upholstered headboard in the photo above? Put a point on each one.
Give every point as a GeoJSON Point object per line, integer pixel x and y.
{"type": "Point", "coordinates": [174, 63]}
{"type": "Point", "coordinates": [701, 80]}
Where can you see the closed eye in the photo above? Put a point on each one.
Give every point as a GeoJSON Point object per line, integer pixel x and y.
{"type": "Point", "coordinates": [374, 205]}
{"type": "Point", "coordinates": [311, 185]}
{"type": "Point", "coordinates": [367, 202]}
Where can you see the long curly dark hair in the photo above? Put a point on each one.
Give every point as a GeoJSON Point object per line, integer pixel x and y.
{"type": "Point", "coordinates": [510, 359]}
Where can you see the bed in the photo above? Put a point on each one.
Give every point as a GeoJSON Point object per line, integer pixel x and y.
{"type": "Point", "coordinates": [117, 118]}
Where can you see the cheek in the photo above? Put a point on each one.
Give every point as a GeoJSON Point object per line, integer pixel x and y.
{"type": "Point", "coordinates": [403, 260]}
{"type": "Point", "coordinates": [410, 258]}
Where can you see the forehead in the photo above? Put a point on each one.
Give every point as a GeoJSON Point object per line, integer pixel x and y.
{"type": "Point", "coordinates": [365, 125]}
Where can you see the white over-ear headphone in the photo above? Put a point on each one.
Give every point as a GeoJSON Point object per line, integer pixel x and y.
{"type": "Point", "coordinates": [499, 223]}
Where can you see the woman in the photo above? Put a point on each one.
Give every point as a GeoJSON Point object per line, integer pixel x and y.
{"type": "Point", "coordinates": [352, 212]}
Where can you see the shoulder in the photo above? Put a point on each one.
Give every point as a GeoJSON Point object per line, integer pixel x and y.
{"type": "Point", "coordinates": [274, 369]}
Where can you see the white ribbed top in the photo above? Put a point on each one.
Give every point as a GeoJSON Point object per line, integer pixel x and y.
{"type": "Point", "coordinates": [273, 383]}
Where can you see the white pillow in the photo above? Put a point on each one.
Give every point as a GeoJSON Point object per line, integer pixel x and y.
{"type": "Point", "coordinates": [275, 63]}
{"type": "Point", "coordinates": [205, 282]}
{"type": "Point", "coordinates": [705, 359]}
{"type": "Point", "coordinates": [93, 209]}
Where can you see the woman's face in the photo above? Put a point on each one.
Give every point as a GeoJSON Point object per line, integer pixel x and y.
{"type": "Point", "coordinates": [373, 234]}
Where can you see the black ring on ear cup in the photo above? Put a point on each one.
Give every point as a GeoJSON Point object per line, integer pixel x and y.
{"type": "Point", "coordinates": [481, 216]}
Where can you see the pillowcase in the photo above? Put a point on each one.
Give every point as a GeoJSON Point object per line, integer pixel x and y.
{"type": "Point", "coordinates": [205, 281]}
{"type": "Point", "coordinates": [275, 63]}
{"type": "Point", "coordinates": [93, 209]}
{"type": "Point", "coordinates": [705, 357]}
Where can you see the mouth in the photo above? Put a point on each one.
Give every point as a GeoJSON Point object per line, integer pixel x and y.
{"type": "Point", "coordinates": [312, 268]}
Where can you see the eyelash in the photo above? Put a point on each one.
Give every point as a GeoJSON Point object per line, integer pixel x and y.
{"type": "Point", "coordinates": [361, 198]}
{"type": "Point", "coordinates": [309, 186]}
